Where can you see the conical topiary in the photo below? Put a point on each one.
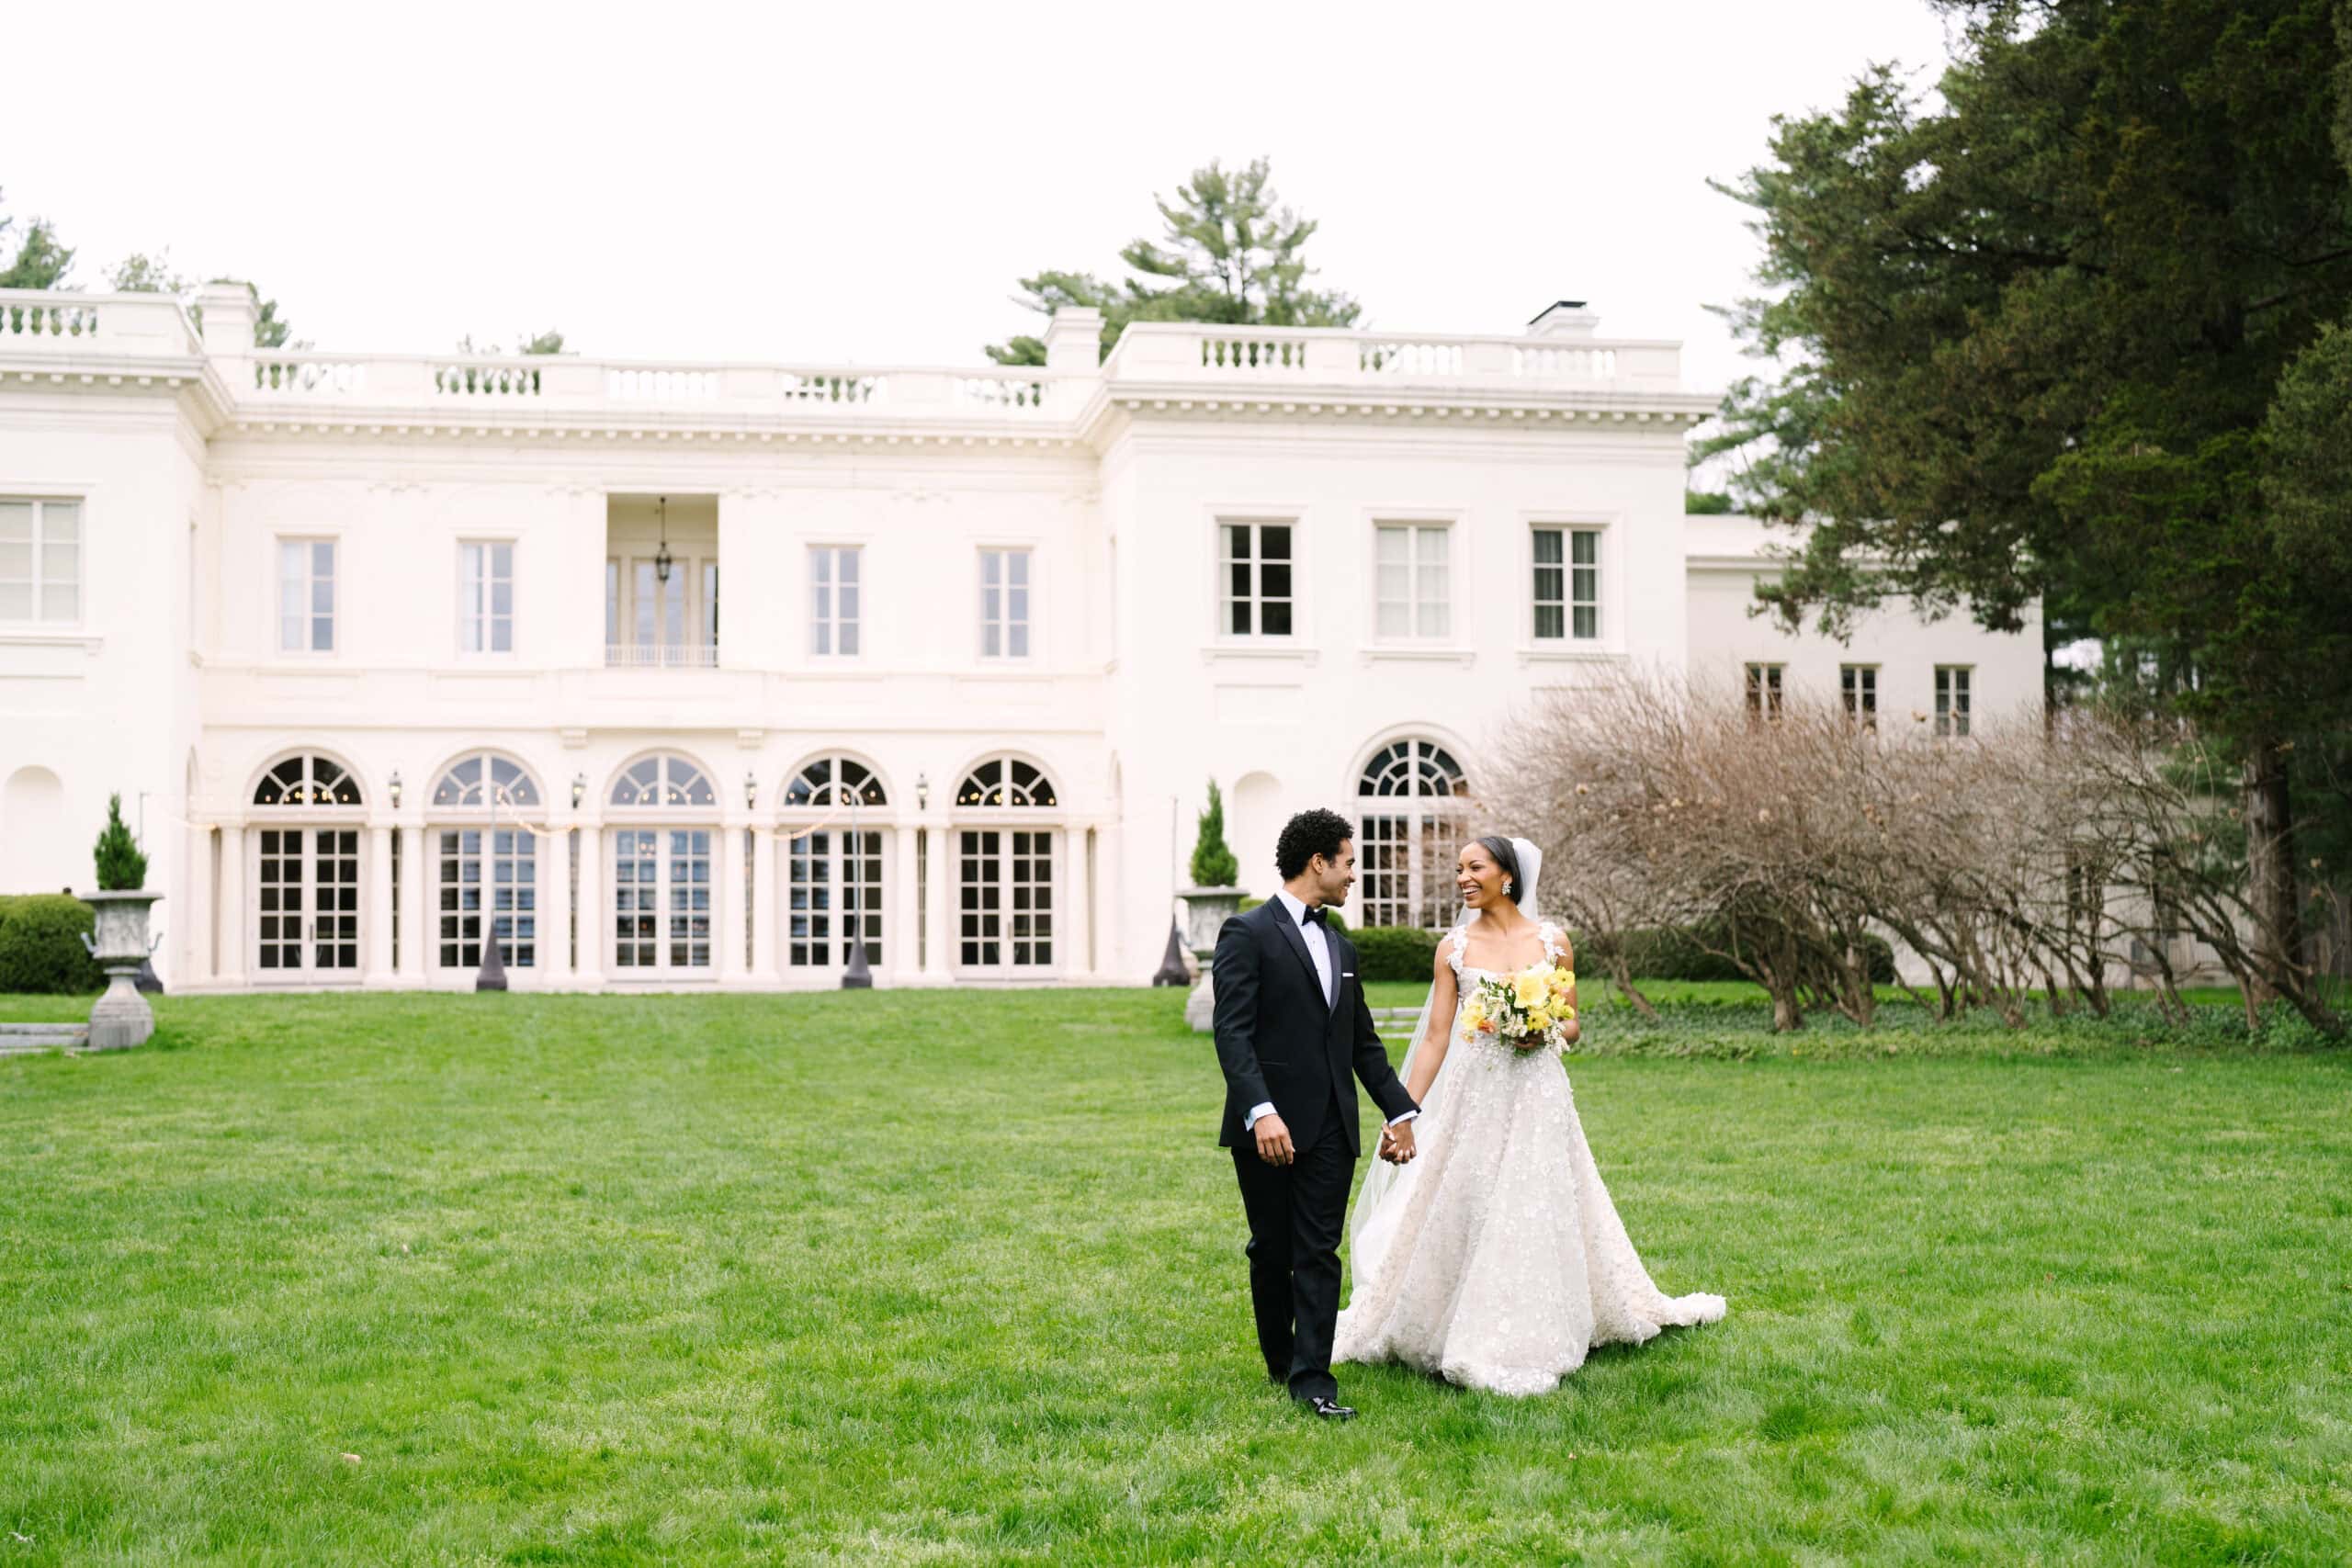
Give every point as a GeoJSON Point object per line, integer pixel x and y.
{"type": "Point", "coordinates": [122, 868]}
{"type": "Point", "coordinates": [1212, 863]}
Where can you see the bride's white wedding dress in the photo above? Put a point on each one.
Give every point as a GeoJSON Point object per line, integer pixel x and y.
{"type": "Point", "coordinates": [1495, 1258]}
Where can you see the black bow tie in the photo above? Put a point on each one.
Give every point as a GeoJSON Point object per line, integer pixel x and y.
{"type": "Point", "coordinates": [1318, 916]}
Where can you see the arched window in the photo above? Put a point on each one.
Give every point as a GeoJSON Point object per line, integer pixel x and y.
{"type": "Point", "coordinates": [475, 782]}
{"type": "Point", "coordinates": [1413, 813]}
{"type": "Point", "coordinates": [663, 781]}
{"type": "Point", "coordinates": [491, 869]}
{"type": "Point", "coordinates": [1005, 875]}
{"type": "Point", "coordinates": [664, 879]}
{"type": "Point", "coordinates": [1006, 781]}
{"type": "Point", "coordinates": [306, 898]}
{"type": "Point", "coordinates": [307, 781]}
{"type": "Point", "coordinates": [832, 875]}
{"type": "Point", "coordinates": [833, 781]}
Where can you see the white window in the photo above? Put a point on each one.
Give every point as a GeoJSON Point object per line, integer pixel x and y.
{"type": "Point", "coordinates": [1415, 591]}
{"type": "Point", "coordinates": [41, 561]}
{"type": "Point", "coordinates": [1567, 583]}
{"type": "Point", "coordinates": [833, 600]}
{"type": "Point", "coordinates": [1951, 699]}
{"type": "Point", "coordinates": [1764, 686]}
{"type": "Point", "coordinates": [486, 597]}
{"type": "Point", "coordinates": [1858, 685]}
{"type": "Point", "coordinates": [1004, 603]}
{"type": "Point", "coordinates": [1254, 569]}
{"type": "Point", "coordinates": [306, 572]}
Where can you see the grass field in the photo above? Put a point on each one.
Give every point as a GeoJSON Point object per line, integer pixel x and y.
{"type": "Point", "coordinates": [951, 1278]}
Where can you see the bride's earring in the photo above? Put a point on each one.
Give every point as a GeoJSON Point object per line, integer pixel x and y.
{"type": "Point", "coordinates": [1507, 889]}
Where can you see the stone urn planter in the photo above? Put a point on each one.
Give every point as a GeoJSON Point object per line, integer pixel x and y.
{"type": "Point", "coordinates": [1205, 911]}
{"type": "Point", "coordinates": [121, 1018]}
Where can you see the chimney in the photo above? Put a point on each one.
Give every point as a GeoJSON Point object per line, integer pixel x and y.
{"type": "Point", "coordinates": [1563, 318]}
{"type": "Point", "coordinates": [228, 312]}
{"type": "Point", "coordinates": [1074, 340]}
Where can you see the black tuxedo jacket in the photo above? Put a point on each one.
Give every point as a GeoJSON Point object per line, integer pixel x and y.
{"type": "Point", "coordinates": [1278, 1042]}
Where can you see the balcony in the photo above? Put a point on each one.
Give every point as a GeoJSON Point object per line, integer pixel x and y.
{"type": "Point", "coordinates": [661, 583]}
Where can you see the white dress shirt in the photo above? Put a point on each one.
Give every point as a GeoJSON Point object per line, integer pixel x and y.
{"type": "Point", "coordinates": [1319, 948]}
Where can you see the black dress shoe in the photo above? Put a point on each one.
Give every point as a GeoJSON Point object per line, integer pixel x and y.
{"type": "Point", "coordinates": [1329, 1409]}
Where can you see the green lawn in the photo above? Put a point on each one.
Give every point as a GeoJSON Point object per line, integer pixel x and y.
{"type": "Point", "coordinates": [941, 1276]}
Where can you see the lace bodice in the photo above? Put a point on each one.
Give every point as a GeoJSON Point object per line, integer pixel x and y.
{"type": "Point", "coordinates": [1457, 942]}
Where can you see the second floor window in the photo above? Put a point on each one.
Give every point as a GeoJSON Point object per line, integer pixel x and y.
{"type": "Point", "coordinates": [1951, 699]}
{"type": "Point", "coordinates": [1416, 592]}
{"type": "Point", "coordinates": [41, 561]}
{"type": "Point", "coordinates": [1004, 603]}
{"type": "Point", "coordinates": [1764, 691]}
{"type": "Point", "coordinates": [1857, 687]}
{"type": "Point", "coordinates": [1567, 583]}
{"type": "Point", "coordinates": [306, 589]}
{"type": "Point", "coordinates": [486, 597]}
{"type": "Point", "coordinates": [1255, 564]}
{"type": "Point", "coordinates": [833, 600]}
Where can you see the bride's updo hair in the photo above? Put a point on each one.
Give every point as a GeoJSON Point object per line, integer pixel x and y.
{"type": "Point", "coordinates": [1506, 858]}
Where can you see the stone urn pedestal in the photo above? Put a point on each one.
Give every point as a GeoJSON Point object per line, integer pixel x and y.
{"type": "Point", "coordinates": [1205, 911]}
{"type": "Point", "coordinates": [121, 1018]}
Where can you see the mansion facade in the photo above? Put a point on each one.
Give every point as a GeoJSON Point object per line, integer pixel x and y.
{"type": "Point", "coordinates": [688, 675]}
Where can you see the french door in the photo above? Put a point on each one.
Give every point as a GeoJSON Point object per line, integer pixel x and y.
{"type": "Point", "coordinates": [306, 903]}
{"type": "Point", "coordinates": [1005, 898]}
{"type": "Point", "coordinates": [485, 874]}
{"type": "Point", "coordinates": [663, 901]}
{"type": "Point", "coordinates": [831, 878]}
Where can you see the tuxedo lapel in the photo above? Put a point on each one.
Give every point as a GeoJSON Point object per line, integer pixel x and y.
{"type": "Point", "coordinates": [1289, 928]}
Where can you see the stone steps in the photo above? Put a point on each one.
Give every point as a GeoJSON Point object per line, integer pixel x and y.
{"type": "Point", "coordinates": [30, 1039]}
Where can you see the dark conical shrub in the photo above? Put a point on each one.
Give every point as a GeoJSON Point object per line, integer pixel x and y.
{"type": "Point", "coordinates": [1213, 861]}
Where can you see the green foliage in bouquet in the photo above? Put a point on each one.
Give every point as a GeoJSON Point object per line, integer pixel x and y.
{"type": "Point", "coordinates": [1213, 861]}
{"type": "Point", "coordinates": [122, 868]}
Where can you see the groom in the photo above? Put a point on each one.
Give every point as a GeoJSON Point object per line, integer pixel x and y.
{"type": "Point", "coordinates": [1292, 1024]}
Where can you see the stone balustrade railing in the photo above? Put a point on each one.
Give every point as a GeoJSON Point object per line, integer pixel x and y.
{"type": "Point", "coordinates": [1173, 357]}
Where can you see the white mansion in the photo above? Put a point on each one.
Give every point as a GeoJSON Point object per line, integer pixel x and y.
{"type": "Point", "coordinates": [657, 671]}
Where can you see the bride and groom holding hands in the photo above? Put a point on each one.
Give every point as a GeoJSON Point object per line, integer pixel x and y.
{"type": "Point", "coordinates": [1485, 1249]}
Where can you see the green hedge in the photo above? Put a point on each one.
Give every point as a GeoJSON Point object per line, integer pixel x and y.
{"type": "Point", "coordinates": [1394, 953]}
{"type": "Point", "coordinates": [40, 945]}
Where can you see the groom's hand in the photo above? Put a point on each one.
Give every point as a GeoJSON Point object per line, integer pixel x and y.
{"type": "Point", "coordinates": [1396, 1143]}
{"type": "Point", "coordinates": [1274, 1139]}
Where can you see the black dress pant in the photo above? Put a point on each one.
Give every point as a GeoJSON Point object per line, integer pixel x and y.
{"type": "Point", "coordinates": [1297, 1214]}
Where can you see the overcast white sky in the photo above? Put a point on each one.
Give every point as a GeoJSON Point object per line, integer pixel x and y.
{"type": "Point", "coordinates": [849, 182]}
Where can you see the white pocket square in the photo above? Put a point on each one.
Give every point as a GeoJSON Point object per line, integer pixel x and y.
{"type": "Point", "coordinates": [1347, 974]}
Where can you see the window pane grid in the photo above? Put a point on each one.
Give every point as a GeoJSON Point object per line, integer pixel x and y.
{"type": "Point", "coordinates": [306, 591]}
{"type": "Point", "coordinates": [41, 561]}
{"type": "Point", "coordinates": [1004, 603]}
{"type": "Point", "coordinates": [1413, 581]}
{"type": "Point", "coordinates": [1254, 571]}
{"type": "Point", "coordinates": [1951, 699]}
{"type": "Point", "coordinates": [486, 598]}
{"type": "Point", "coordinates": [833, 600]}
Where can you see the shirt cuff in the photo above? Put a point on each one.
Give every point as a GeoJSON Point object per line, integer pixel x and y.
{"type": "Point", "coordinates": [1406, 1117]}
{"type": "Point", "coordinates": [1263, 1108]}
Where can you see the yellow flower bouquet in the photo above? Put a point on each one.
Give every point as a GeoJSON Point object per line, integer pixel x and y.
{"type": "Point", "coordinates": [1528, 1012]}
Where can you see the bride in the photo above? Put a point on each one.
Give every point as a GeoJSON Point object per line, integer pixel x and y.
{"type": "Point", "coordinates": [1495, 1258]}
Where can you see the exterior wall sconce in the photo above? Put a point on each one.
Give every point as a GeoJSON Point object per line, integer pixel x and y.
{"type": "Point", "coordinates": [393, 787]}
{"type": "Point", "coordinates": [579, 789]}
{"type": "Point", "coordinates": [661, 557]}
{"type": "Point", "coordinates": [922, 792]}
{"type": "Point", "coordinates": [750, 790]}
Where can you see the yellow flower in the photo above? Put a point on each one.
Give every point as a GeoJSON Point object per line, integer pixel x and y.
{"type": "Point", "coordinates": [1539, 1020]}
{"type": "Point", "coordinates": [1529, 989]}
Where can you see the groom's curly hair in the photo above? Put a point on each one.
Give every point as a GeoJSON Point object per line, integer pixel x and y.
{"type": "Point", "coordinates": [1308, 834]}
